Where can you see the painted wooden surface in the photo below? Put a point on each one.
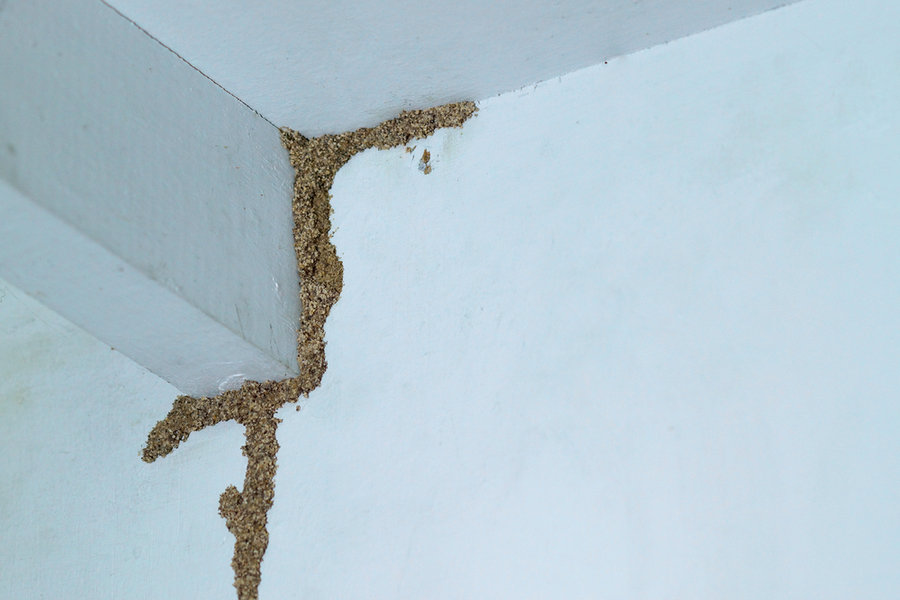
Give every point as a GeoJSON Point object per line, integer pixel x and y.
{"type": "Point", "coordinates": [128, 310]}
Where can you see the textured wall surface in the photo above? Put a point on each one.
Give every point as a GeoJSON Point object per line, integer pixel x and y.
{"type": "Point", "coordinates": [633, 336]}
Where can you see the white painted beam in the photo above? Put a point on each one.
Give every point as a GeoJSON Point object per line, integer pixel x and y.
{"type": "Point", "coordinates": [172, 178]}
{"type": "Point", "coordinates": [121, 306]}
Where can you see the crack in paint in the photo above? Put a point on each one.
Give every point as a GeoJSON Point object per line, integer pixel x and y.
{"type": "Point", "coordinates": [316, 161]}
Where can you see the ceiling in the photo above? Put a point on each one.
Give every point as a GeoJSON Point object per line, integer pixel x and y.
{"type": "Point", "coordinates": [334, 65]}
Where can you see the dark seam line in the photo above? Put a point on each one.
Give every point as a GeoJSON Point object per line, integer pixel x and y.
{"type": "Point", "coordinates": [217, 84]}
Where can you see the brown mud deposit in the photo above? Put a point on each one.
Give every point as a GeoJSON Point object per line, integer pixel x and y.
{"type": "Point", "coordinates": [316, 161]}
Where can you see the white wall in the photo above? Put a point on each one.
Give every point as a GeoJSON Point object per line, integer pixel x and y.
{"type": "Point", "coordinates": [634, 337]}
{"type": "Point", "coordinates": [81, 516]}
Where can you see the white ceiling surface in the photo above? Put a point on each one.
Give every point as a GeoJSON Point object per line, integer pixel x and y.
{"type": "Point", "coordinates": [330, 66]}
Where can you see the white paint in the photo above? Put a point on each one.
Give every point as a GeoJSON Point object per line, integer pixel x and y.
{"type": "Point", "coordinates": [634, 337]}
{"type": "Point", "coordinates": [332, 66]}
{"type": "Point", "coordinates": [130, 145]}
{"type": "Point", "coordinates": [117, 303]}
